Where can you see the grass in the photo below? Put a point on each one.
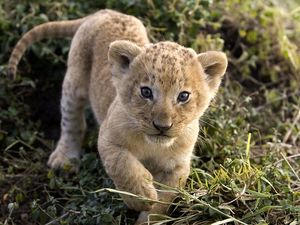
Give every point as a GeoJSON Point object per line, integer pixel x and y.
{"type": "Point", "coordinates": [246, 167]}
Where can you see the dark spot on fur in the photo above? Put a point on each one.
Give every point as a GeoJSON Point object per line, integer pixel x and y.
{"type": "Point", "coordinates": [123, 26]}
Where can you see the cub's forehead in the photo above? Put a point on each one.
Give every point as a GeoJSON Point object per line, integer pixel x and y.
{"type": "Point", "coordinates": [167, 62]}
{"type": "Point", "coordinates": [168, 54]}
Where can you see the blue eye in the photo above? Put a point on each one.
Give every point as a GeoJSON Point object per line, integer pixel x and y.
{"type": "Point", "coordinates": [146, 93]}
{"type": "Point", "coordinates": [183, 96]}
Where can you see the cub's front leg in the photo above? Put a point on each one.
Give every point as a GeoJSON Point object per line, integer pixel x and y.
{"type": "Point", "coordinates": [174, 178]}
{"type": "Point", "coordinates": [128, 174]}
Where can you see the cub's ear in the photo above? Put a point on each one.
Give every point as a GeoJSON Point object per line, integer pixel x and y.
{"type": "Point", "coordinates": [214, 65]}
{"type": "Point", "coordinates": [120, 55]}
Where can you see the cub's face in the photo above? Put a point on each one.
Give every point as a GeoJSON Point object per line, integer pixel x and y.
{"type": "Point", "coordinates": [164, 87]}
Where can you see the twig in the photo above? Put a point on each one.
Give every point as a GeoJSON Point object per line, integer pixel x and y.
{"type": "Point", "coordinates": [285, 159]}
{"type": "Point", "coordinates": [238, 196]}
{"type": "Point", "coordinates": [289, 132]}
{"type": "Point", "coordinates": [139, 197]}
{"type": "Point", "coordinates": [61, 217]}
{"type": "Point", "coordinates": [289, 157]}
{"type": "Point", "coordinates": [57, 219]}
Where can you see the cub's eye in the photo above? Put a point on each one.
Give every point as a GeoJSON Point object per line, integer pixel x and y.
{"type": "Point", "coordinates": [183, 96]}
{"type": "Point", "coordinates": [146, 92]}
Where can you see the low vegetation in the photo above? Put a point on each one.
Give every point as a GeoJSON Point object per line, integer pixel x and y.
{"type": "Point", "coordinates": [246, 168]}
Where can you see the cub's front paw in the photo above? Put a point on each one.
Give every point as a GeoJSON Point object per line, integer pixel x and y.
{"type": "Point", "coordinates": [150, 217]}
{"type": "Point", "coordinates": [142, 189]}
{"type": "Point", "coordinates": [61, 158]}
{"type": "Point", "coordinates": [143, 219]}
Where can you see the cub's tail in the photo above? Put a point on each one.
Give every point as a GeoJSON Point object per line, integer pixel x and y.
{"type": "Point", "coordinates": [46, 30]}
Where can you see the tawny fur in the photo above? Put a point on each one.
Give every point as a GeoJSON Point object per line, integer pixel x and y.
{"type": "Point", "coordinates": [110, 60]}
{"type": "Point", "coordinates": [47, 30]}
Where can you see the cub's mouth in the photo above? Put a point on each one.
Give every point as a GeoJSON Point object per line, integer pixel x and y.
{"type": "Point", "coordinates": [160, 135]}
{"type": "Point", "coordinates": [160, 138]}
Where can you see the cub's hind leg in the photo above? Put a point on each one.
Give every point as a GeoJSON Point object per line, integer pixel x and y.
{"type": "Point", "coordinates": [73, 101]}
{"type": "Point", "coordinates": [73, 125]}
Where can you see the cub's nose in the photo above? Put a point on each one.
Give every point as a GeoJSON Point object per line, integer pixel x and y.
{"type": "Point", "coordinates": [162, 127]}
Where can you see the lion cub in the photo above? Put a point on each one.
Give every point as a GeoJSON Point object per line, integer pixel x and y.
{"type": "Point", "coordinates": [147, 99]}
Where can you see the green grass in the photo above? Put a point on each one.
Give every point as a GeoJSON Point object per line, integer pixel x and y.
{"type": "Point", "coordinates": [246, 167]}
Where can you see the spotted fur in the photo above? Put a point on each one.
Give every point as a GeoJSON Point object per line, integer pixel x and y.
{"type": "Point", "coordinates": [141, 138]}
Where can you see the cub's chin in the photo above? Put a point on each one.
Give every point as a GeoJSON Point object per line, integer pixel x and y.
{"type": "Point", "coordinates": [159, 139]}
